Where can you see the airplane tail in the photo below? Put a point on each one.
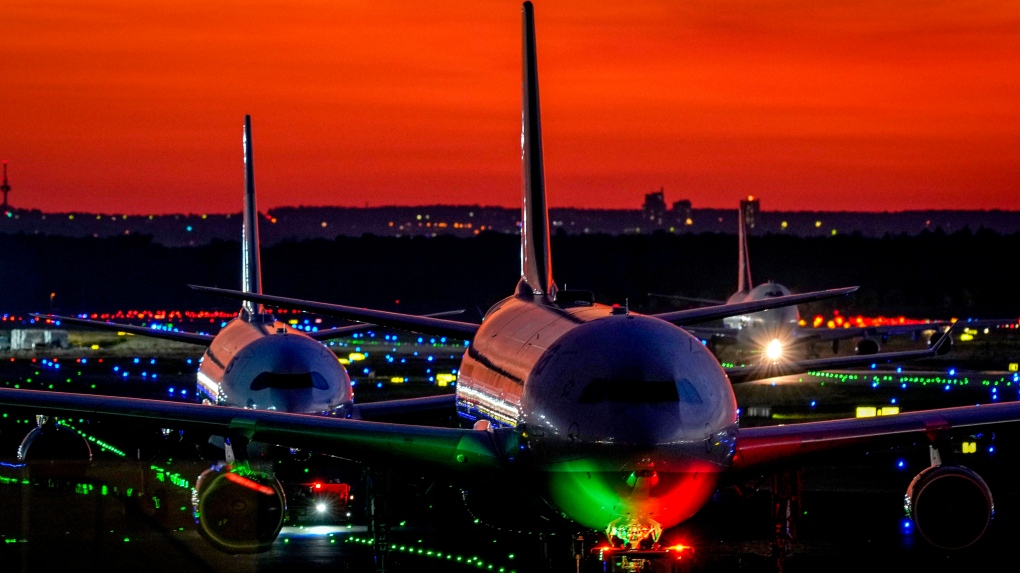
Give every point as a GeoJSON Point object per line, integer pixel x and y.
{"type": "Point", "coordinates": [744, 283]}
{"type": "Point", "coordinates": [251, 267]}
{"type": "Point", "coordinates": [536, 263]}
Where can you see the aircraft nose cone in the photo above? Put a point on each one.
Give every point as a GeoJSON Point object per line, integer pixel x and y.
{"type": "Point", "coordinates": [292, 400]}
{"type": "Point", "coordinates": [629, 380]}
{"type": "Point", "coordinates": [287, 372]}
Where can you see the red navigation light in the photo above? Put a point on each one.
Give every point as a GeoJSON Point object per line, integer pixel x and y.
{"type": "Point", "coordinates": [317, 485]}
{"type": "Point", "coordinates": [245, 482]}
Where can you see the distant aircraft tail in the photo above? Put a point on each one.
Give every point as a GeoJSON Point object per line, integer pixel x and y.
{"type": "Point", "coordinates": [744, 283]}
{"type": "Point", "coordinates": [536, 263]}
{"type": "Point", "coordinates": [251, 267]}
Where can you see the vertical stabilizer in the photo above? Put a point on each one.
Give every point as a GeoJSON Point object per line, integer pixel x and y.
{"type": "Point", "coordinates": [536, 263]}
{"type": "Point", "coordinates": [251, 268]}
{"type": "Point", "coordinates": [744, 283]}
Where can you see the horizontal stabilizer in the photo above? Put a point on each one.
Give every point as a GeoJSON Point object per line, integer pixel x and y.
{"type": "Point", "coordinates": [189, 337]}
{"type": "Point", "coordinates": [710, 313]}
{"type": "Point", "coordinates": [771, 370]}
{"type": "Point", "coordinates": [376, 443]}
{"type": "Point", "coordinates": [414, 323]}
{"type": "Point", "coordinates": [341, 331]}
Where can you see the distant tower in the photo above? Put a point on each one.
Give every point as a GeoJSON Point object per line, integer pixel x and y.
{"type": "Point", "coordinates": [682, 212]}
{"type": "Point", "coordinates": [6, 189]}
{"type": "Point", "coordinates": [749, 209]}
{"type": "Point", "coordinates": [654, 208]}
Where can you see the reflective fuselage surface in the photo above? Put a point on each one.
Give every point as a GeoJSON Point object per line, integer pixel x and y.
{"type": "Point", "coordinates": [265, 365]}
{"type": "Point", "coordinates": [761, 327]}
{"type": "Point", "coordinates": [627, 419]}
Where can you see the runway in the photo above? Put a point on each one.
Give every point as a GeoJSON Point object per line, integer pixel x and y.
{"type": "Point", "coordinates": [108, 518]}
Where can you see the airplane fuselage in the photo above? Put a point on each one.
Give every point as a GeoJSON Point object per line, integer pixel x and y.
{"type": "Point", "coordinates": [627, 420]}
{"type": "Point", "coordinates": [264, 364]}
{"type": "Point", "coordinates": [759, 328]}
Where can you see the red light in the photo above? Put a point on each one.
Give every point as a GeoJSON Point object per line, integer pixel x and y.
{"type": "Point", "coordinates": [318, 485]}
{"type": "Point", "coordinates": [245, 482]}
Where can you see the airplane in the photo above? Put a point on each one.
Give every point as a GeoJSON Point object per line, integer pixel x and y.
{"type": "Point", "coordinates": [255, 360]}
{"type": "Point", "coordinates": [774, 331]}
{"type": "Point", "coordinates": [588, 415]}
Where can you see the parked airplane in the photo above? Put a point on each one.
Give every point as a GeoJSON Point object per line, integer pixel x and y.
{"type": "Point", "coordinates": [616, 421]}
{"type": "Point", "coordinates": [774, 331]}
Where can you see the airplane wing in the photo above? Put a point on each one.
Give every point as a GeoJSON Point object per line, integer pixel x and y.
{"type": "Point", "coordinates": [743, 374]}
{"type": "Point", "coordinates": [710, 313]}
{"type": "Point", "coordinates": [342, 331]}
{"type": "Point", "coordinates": [707, 332]}
{"type": "Point", "coordinates": [854, 331]}
{"type": "Point", "coordinates": [680, 297]}
{"type": "Point", "coordinates": [452, 449]}
{"type": "Point", "coordinates": [770, 444]}
{"type": "Point", "coordinates": [189, 337]}
{"type": "Point", "coordinates": [415, 323]}
{"type": "Point", "coordinates": [893, 329]}
{"type": "Point", "coordinates": [387, 408]}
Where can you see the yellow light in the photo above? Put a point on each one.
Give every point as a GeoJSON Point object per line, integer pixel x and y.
{"type": "Point", "coordinates": [818, 224]}
{"type": "Point", "coordinates": [445, 379]}
{"type": "Point", "coordinates": [969, 447]}
{"type": "Point", "coordinates": [1014, 366]}
{"type": "Point", "coordinates": [871, 411]}
{"type": "Point", "coordinates": [355, 356]}
{"type": "Point", "coordinates": [966, 337]}
{"type": "Point", "coordinates": [343, 361]}
{"type": "Point", "coordinates": [774, 350]}
{"type": "Point", "coordinates": [95, 347]}
{"type": "Point", "coordinates": [397, 380]}
{"type": "Point", "coordinates": [785, 225]}
{"type": "Point", "coordinates": [124, 334]}
{"type": "Point", "coordinates": [866, 412]}
{"type": "Point", "coordinates": [292, 321]}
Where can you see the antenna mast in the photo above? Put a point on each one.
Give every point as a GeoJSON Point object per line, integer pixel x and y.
{"type": "Point", "coordinates": [6, 188]}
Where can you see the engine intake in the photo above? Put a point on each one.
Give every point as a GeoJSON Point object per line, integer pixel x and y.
{"type": "Point", "coordinates": [868, 346]}
{"type": "Point", "coordinates": [239, 510]}
{"type": "Point", "coordinates": [50, 441]}
{"type": "Point", "coordinates": [951, 506]}
{"type": "Point", "coordinates": [945, 348]}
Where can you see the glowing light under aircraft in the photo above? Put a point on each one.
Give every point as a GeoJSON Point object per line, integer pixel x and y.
{"type": "Point", "coordinates": [774, 350]}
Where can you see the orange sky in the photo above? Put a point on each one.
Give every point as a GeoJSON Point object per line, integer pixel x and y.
{"type": "Point", "coordinates": [136, 107]}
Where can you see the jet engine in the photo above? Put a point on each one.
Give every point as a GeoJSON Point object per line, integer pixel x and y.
{"type": "Point", "coordinates": [945, 348]}
{"type": "Point", "coordinates": [951, 506]}
{"type": "Point", "coordinates": [868, 346]}
{"type": "Point", "coordinates": [51, 441]}
{"type": "Point", "coordinates": [239, 510]}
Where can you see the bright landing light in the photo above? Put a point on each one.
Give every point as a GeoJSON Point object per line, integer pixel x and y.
{"type": "Point", "coordinates": [320, 507]}
{"type": "Point", "coordinates": [774, 350]}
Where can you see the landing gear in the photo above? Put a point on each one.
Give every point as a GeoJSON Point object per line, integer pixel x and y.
{"type": "Point", "coordinates": [676, 559]}
{"type": "Point", "coordinates": [785, 509]}
{"type": "Point", "coordinates": [377, 483]}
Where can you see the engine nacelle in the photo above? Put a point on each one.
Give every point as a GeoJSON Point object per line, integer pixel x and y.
{"type": "Point", "coordinates": [868, 346]}
{"type": "Point", "coordinates": [239, 510]}
{"type": "Point", "coordinates": [945, 348]}
{"type": "Point", "coordinates": [51, 441]}
{"type": "Point", "coordinates": [951, 506]}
